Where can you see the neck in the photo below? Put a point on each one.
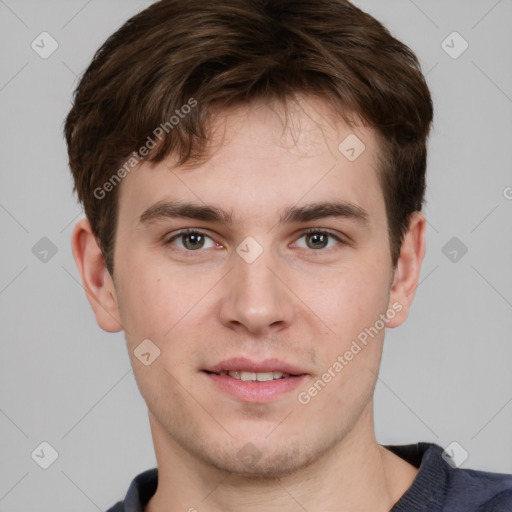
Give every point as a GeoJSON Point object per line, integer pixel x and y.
{"type": "Point", "coordinates": [357, 474]}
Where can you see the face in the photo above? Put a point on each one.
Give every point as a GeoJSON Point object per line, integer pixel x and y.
{"type": "Point", "coordinates": [261, 282]}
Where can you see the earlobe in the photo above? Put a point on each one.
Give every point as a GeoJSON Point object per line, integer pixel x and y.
{"type": "Point", "coordinates": [407, 271]}
{"type": "Point", "coordinates": [96, 280]}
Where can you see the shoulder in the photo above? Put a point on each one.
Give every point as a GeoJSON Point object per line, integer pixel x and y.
{"type": "Point", "coordinates": [141, 489]}
{"type": "Point", "coordinates": [500, 503]}
{"type": "Point", "coordinates": [118, 507]}
{"type": "Point", "coordinates": [441, 486]}
{"type": "Point", "coordinates": [488, 491]}
{"type": "Point", "coordinates": [469, 490]}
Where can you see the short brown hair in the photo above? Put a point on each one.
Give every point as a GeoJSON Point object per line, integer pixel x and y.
{"type": "Point", "coordinates": [231, 52]}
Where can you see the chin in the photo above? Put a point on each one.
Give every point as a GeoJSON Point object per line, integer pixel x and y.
{"type": "Point", "coordinates": [263, 461]}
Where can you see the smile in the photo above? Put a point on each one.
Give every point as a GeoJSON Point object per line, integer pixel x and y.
{"type": "Point", "coordinates": [247, 376]}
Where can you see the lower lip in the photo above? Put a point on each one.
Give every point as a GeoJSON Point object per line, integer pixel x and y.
{"type": "Point", "coordinates": [258, 392]}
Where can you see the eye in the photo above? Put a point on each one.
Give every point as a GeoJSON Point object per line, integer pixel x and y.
{"type": "Point", "coordinates": [318, 239]}
{"type": "Point", "coordinates": [192, 240]}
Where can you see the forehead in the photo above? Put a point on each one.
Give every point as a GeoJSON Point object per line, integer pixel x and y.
{"type": "Point", "coordinates": [264, 155]}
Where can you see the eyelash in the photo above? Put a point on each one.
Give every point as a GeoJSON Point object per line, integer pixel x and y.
{"type": "Point", "coordinates": [304, 233]}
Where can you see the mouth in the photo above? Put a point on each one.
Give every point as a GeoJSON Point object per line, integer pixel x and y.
{"type": "Point", "coordinates": [253, 381]}
{"type": "Point", "coordinates": [247, 370]}
{"type": "Point", "coordinates": [248, 376]}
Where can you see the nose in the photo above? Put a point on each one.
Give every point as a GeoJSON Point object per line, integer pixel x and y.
{"type": "Point", "coordinates": [255, 296]}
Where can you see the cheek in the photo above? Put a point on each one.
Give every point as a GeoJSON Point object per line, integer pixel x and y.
{"type": "Point", "coordinates": [166, 308]}
{"type": "Point", "coordinates": [351, 309]}
{"type": "Point", "coordinates": [349, 299]}
{"type": "Point", "coordinates": [162, 310]}
{"type": "Point", "coordinates": [150, 303]}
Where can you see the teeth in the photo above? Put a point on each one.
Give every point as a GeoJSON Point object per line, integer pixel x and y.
{"type": "Point", "coordinates": [264, 376]}
{"type": "Point", "coordinates": [253, 376]}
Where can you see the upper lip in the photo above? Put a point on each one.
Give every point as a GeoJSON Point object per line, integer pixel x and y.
{"type": "Point", "coordinates": [249, 365]}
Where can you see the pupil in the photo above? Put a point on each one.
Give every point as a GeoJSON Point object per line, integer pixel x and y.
{"type": "Point", "coordinates": [319, 237]}
{"type": "Point", "coordinates": [196, 240]}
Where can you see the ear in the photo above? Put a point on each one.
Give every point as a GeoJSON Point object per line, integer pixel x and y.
{"type": "Point", "coordinates": [407, 271]}
{"type": "Point", "coordinates": [98, 285]}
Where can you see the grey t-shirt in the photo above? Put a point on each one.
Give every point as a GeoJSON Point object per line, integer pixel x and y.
{"type": "Point", "coordinates": [438, 487]}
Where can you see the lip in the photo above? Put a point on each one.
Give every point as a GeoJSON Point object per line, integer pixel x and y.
{"type": "Point", "coordinates": [249, 365]}
{"type": "Point", "coordinates": [255, 392]}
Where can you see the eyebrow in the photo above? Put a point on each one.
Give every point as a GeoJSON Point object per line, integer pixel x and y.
{"type": "Point", "coordinates": [291, 214]}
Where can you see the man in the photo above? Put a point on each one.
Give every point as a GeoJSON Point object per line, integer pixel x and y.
{"type": "Point", "coordinates": [252, 174]}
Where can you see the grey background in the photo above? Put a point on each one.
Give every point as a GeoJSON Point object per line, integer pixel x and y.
{"type": "Point", "coordinates": [445, 374]}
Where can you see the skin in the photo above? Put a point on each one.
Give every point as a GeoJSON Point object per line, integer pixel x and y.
{"type": "Point", "coordinates": [299, 301]}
